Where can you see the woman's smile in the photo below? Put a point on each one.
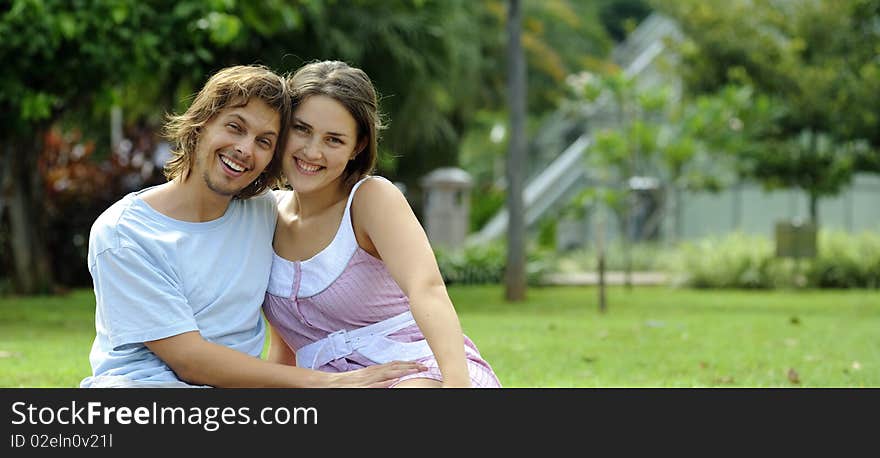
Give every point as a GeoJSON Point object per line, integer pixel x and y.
{"type": "Point", "coordinates": [307, 168]}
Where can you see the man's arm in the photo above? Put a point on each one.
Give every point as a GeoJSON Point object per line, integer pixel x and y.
{"type": "Point", "coordinates": [141, 303]}
{"type": "Point", "coordinates": [199, 362]}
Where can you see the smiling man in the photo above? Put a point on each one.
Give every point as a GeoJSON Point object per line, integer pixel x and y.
{"type": "Point", "coordinates": [180, 269]}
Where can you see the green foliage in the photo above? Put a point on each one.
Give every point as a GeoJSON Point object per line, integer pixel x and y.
{"type": "Point", "coordinates": [645, 131]}
{"type": "Point", "coordinates": [644, 256]}
{"type": "Point", "coordinates": [472, 265]}
{"type": "Point", "coordinates": [434, 63]}
{"type": "Point", "coordinates": [810, 57]}
{"type": "Point", "coordinates": [486, 263]}
{"type": "Point", "coordinates": [547, 233]}
{"type": "Point", "coordinates": [559, 37]}
{"type": "Point", "coordinates": [733, 261]}
{"type": "Point", "coordinates": [845, 261]}
{"type": "Point", "coordinates": [619, 17]}
{"type": "Point", "coordinates": [742, 261]}
{"type": "Point", "coordinates": [63, 52]}
{"type": "Point", "coordinates": [485, 203]}
{"type": "Point", "coordinates": [652, 133]}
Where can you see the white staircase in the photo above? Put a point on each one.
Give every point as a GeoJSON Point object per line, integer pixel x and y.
{"type": "Point", "coordinates": [556, 181]}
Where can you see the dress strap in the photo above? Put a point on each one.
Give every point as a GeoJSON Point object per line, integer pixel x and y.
{"type": "Point", "coordinates": [324, 268]}
{"type": "Point", "coordinates": [346, 223]}
{"type": "Point", "coordinates": [356, 186]}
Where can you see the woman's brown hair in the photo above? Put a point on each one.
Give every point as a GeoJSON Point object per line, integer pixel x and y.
{"type": "Point", "coordinates": [352, 88]}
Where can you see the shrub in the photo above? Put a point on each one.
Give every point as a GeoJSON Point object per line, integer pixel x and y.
{"type": "Point", "coordinates": [486, 263]}
{"type": "Point", "coordinates": [644, 256]}
{"type": "Point", "coordinates": [747, 261]}
{"type": "Point", "coordinates": [846, 261]}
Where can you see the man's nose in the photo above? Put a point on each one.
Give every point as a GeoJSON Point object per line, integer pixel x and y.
{"type": "Point", "coordinates": [244, 149]}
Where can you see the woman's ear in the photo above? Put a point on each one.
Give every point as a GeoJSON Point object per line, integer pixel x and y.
{"type": "Point", "coordinates": [362, 143]}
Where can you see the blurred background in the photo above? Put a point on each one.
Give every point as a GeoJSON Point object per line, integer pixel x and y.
{"type": "Point", "coordinates": [705, 143]}
{"type": "Point", "coordinates": [618, 192]}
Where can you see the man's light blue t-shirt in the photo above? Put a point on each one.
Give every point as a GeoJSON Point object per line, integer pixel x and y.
{"type": "Point", "coordinates": [157, 277]}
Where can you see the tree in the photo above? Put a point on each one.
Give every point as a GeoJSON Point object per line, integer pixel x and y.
{"type": "Point", "coordinates": [620, 17]}
{"type": "Point", "coordinates": [434, 64]}
{"type": "Point", "coordinates": [67, 56]}
{"type": "Point", "coordinates": [75, 60]}
{"type": "Point", "coordinates": [515, 277]}
{"type": "Point", "coordinates": [815, 60]}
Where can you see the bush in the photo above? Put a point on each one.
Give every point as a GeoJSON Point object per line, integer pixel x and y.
{"type": "Point", "coordinates": [644, 256]}
{"type": "Point", "coordinates": [486, 201]}
{"type": "Point", "coordinates": [846, 261]}
{"type": "Point", "coordinates": [742, 261]}
{"type": "Point", "coordinates": [485, 264]}
{"type": "Point", "coordinates": [472, 265]}
{"type": "Point", "coordinates": [80, 185]}
{"type": "Point", "coordinates": [732, 261]}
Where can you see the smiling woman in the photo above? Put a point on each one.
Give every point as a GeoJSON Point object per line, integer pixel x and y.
{"type": "Point", "coordinates": [354, 282]}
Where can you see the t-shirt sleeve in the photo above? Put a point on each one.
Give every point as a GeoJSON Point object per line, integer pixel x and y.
{"type": "Point", "coordinates": [137, 301]}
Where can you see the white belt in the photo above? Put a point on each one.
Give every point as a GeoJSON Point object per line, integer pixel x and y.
{"type": "Point", "coordinates": [369, 341]}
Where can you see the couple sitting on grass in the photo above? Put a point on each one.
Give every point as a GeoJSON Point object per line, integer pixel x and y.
{"type": "Point", "coordinates": [339, 265]}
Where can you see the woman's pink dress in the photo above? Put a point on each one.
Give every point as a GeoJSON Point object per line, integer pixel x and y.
{"type": "Point", "coordinates": [344, 287]}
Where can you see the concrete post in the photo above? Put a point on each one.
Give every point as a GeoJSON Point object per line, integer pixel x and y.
{"type": "Point", "coordinates": [447, 206]}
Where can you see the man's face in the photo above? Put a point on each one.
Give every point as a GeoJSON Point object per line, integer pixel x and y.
{"type": "Point", "coordinates": [235, 146]}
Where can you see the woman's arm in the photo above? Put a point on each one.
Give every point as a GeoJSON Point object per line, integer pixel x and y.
{"type": "Point", "coordinates": [279, 351]}
{"type": "Point", "coordinates": [385, 223]}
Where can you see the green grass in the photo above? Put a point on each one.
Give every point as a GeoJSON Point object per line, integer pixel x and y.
{"type": "Point", "coordinates": [650, 337]}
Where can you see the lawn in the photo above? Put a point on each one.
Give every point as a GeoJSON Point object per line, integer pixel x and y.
{"type": "Point", "coordinates": [650, 337]}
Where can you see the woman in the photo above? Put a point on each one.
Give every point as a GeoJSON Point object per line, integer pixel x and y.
{"type": "Point", "coordinates": [354, 280]}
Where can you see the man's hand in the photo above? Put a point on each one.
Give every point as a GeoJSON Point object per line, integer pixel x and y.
{"type": "Point", "coordinates": [379, 376]}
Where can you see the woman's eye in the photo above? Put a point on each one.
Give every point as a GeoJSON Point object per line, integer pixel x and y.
{"type": "Point", "coordinates": [233, 126]}
{"type": "Point", "coordinates": [335, 140]}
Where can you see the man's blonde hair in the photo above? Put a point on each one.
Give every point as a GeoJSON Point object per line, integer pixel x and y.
{"type": "Point", "coordinates": [230, 87]}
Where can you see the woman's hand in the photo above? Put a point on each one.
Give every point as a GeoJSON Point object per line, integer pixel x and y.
{"type": "Point", "coordinates": [378, 376]}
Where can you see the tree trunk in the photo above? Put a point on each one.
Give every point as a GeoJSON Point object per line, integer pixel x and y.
{"type": "Point", "coordinates": [600, 255]}
{"type": "Point", "coordinates": [627, 240]}
{"type": "Point", "coordinates": [814, 208]}
{"type": "Point", "coordinates": [515, 280]}
{"type": "Point", "coordinates": [676, 213]}
{"type": "Point", "coordinates": [23, 192]}
{"type": "Point", "coordinates": [813, 193]}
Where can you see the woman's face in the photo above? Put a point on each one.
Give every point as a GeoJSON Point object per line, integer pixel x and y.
{"type": "Point", "coordinates": [322, 139]}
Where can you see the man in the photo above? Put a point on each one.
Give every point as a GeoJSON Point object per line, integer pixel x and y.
{"type": "Point", "coordinates": [180, 269]}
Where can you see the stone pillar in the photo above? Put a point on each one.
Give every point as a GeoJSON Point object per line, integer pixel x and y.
{"type": "Point", "coordinates": [447, 206]}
